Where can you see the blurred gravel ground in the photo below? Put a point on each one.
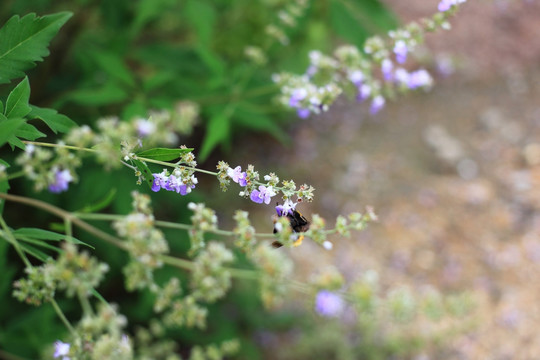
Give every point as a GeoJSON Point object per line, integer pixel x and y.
{"type": "Point", "coordinates": [454, 175]}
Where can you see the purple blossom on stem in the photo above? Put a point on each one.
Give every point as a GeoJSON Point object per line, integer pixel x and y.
{"type": "Point", "coordinates": [356, 77]}
{"type": "Point", "coordinates": [400, 49]}
{"type": "Point", "coordinates": [297, 95]}
{"type": "Point", "coordinates": [61, 350]}
{"type": "Point", "coordinates": [363, 92]}
{"type": "Point", "coordinates": [264, 194]}
{"type": "Point", "coordinates": [172, 183]}
{"type": "Point", "coordinates": [160, 181]}
{"type": "Point", "coordinates": [419, 78]}
{"type": "Point", "coordinates": [329, 304]}
{"type": "Point", "coordinates": [237, 175]}
{"type": "Point", "coordinates": [144, 127]}
{"type": "Point", "coordinates": [386, 67]}
{"type": "Point", "coordinates": [62, 178]}
{"type": "Point", "coordinates": [445, 5]}
{"type": "Point", "coordinates": [287, 208]}
{"type": "Point", "coordinates": [377, 104]}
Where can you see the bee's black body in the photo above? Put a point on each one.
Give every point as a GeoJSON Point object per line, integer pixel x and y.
{"type": "Point", "coordinates": [298, 223]}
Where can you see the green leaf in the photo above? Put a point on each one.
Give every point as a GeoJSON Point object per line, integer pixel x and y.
{"type": "Point", "coordinates": [38, 254]}
{"type": "Point", "coordinates": [99, 297]}
{"type": "Point", "coordinates": [28, 132]}
{"type": "Point", "coordinates": [42, 244]}
{"type": "Point", "coordinates": [25, 40]}
{"type": "Point", "coordinates": [40, 234]}
{"type": "Point", "coordinates": [247, 116]}
{"type": "Point", "coordinates": [55, 121]}
{"type": "Point", "coordinates": [145, 171]}
{"type": "Point", "coordinates": [163, 154]}
{"type": "Point", "coordinates": [115, 67]}
{"type": "Point", "coordinates": [101, 204]}
{"type": "Point", "coordinates": [17, 101]}
{"type": "Point", "coordinates": [148, 10]}
{"type": "Point", "coordinates": [107, 94]}
{"type": "Point", "coordinates": [217, 132]}
{"type": "Point", "coordinates": [8, 127]}
{"type": "Point", "coordinates": [202, 17]}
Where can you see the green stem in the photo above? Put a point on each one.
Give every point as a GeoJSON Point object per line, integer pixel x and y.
{"type": "Point", "coordinates": [11, 239]}
{"type": "Point", "coordinates": [70, 147]}
{"type": "Point", "coordinates": [62, 317]}
{"type": "Point", "coordinates": [66, 215]}
{"type": "Point", "coordinates": [15, 175]}
{"type": "Point", "coordinates": [85, 304]}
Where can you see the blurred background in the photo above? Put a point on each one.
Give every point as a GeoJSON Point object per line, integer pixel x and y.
{"type": "Point", "coordinates": [453, 174]}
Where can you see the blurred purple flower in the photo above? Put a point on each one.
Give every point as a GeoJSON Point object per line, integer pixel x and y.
{"type": "Point", "coordinates": [401, 50]}
{"type": "Point", "coordinates": [377, 104]}
{"type": "Point", "coordinates": [329, 304]}
{"type": "Point", "coordinates": [61, 350]}
{"type": "Point", "coordinates": [386, 67]}
{"type": "Point", "coordinates": [62, 178]}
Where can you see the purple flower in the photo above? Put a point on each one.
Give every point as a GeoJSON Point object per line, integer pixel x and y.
{"type": "Point", "coordinates": [264, 194]}
{"type": "Point", "coordinates": [419, 78]}
{"type": "Point", "coordinates": [377, 104]}
{"type": "Point", "coordinates": [363, 92]}
{"type": "Point", "coordinates": [62, 178]}
{"type": "Point", "coordinates": [303, 113]}
{"type": "Point", "coordinates": [445, 5]}
{"type": "Point", "coordinates": [329, 304]}
{"type": "Point", "coordinates": [160, 181]}
{"type": "Point", "coordinates": [400, 49]}
{"type": "Point", "coordinates": [287, 208]}
{"type": "Point", "coordinates": [386, 67]}
{"type": "Point", "coordinates": [356, 77]}
{"type": "Point", "coordinates": [144, 127]}
{"type": "Point", "coordinates": [237, 175]}
{"type": "Point", "coordinates": [61, 350]}
{"type": "Point", "coordinates": [297, 96]}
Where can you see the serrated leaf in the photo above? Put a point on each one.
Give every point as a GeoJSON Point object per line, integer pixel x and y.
{"type": "Point", "coordinates": [217, 132]}
{"type": "Point", "coordinates": [17, 102]}
{"type": "Point", "coordinates": [46, 235]}
{"type": "Point", "coordinates": [8, 127]}
{"type": "Point", "coordinates": [145, 171]}
{"type": "Point", "coordinates": [163, 154]}
{"type": "Point", "coordinates": [28, 132]}
{"type": "Point", "coordinates": [25, 40]}
{"type": "Point", "coordinates": [55, 121]}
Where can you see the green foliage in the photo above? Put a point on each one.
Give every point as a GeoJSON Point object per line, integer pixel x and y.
{"type": "Point", "coordinates": [25, 41]}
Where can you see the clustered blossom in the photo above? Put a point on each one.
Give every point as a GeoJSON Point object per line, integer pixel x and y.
{"type": "Point", "coordinates": [61, 350]}
{"type": "Point", "coordinates": [370, 74]}
{"type": "Point", "coordinates": [237, 175]}
{"type": "Point", "coordinates": [61, 181]}
{"type": "Point", "coordinates": [173, 182]}
{"type": "Point", "coordinates": [263, 194]}
{"type": "Point", "coordinates": [329, 304]}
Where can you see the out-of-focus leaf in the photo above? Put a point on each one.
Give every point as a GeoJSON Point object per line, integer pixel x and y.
{"type": "Point", "coordinates": [55, 121]}
{"type": "Point", "coordinates": [115, 67]}
{"type": "Point", "coordinates": [217, 132]}
{"type": "Point", "coordinates": [101, 204]}
{"type": "Point", "coordinates": [251, 119]}
{"type": "Point", "coordinates": [148, 10]}
{"type": "Point", "coordinates": [40, 234]}
{"type": "Point", "coordinates": [17, 102]}
{"type": "Point", "coordinates": [202, 17]}
{"type": "Point", "coordinates": [163, 154]}
{"type": "Point", "coordinates": [107, 94]}
{"type": "Point", "coordinates": [25, 40]}
{"type": "Point", "coordinates": [31, 250]}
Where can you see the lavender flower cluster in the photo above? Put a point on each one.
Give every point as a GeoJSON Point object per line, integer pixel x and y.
{"type": "Point", "coordinates": [376, 73]}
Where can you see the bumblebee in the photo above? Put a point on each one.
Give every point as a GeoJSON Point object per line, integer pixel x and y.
{"type": "Point", "coordinates": [297, 221]}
